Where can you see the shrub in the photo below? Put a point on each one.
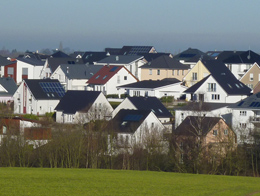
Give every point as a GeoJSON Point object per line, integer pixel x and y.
{"type": "Point", "coordinates": [112, 96]}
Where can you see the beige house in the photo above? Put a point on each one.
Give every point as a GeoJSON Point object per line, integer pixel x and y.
{"type": "Point", "coordinates": [197, 73]}
{"type": "Point", "coordinates": [163, 67]}
{"type": "Point", "coordinates": [252, 76]}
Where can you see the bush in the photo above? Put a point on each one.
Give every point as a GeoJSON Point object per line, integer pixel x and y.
{"type": "Point", "coordinates": [112, 96]}
{"type": "Point", "coordinates": [167, 99]}
{"type": "Point", "coordinates": [122, 96]}
{"type": "Point", "coordinates": [30, 116]}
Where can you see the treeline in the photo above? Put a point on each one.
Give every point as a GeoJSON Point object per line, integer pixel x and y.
{"type": "Point", "coordinates": [89, 147]}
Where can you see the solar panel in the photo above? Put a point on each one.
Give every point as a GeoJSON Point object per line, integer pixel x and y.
{"type": "Point", "coordinates": [52, 87]}
{"type": "Point", "coordinates": [113, 69]}
{"type": "Point", "coordinates": [251, 105]}
{"type": "Point", "coordinates": [241, 103]}
{"type": "Point", "coordinates": [131, 117]}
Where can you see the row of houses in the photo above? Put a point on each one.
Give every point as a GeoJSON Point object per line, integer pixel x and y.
{"type": "Point", "coordinates": [76, 86]}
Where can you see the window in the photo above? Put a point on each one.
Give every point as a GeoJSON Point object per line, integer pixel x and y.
{"type": "Point", "coordinates": [183, 72]}
{"type": "Point", "coordinates": [215, 132]}
{"type": "Point", "coordinates": [178, 72]}
{"type": "Point", "coordinates": [69, 118]}
{"type": "Point", "coordinates": [4, 129]}
{"type": "Point", "coordinates": [242, 113]}
{"type": "Point", "coordinates": [242, 125]}
{"type": "Point", "coordinates": [152, 125]}
{"type": "Point", "coordinates": [211, 87]}
{"type": "Point", "coordinates": [173, 72]}
{"type": "Point", "coordinates": [194, 76]}
{"type": "Point", "coordinates": [118, 79]}
{"type": "Point", "coordinates": [125, 77]}
{"type": "Point", "coordinates": [137, 93]}
{"type": "Point", "coordinates": [215, 96]}
{"type": "Point", "coordinates": [158, 72]}
{"type": "Point", "coordinates": [225, 132]}
{"type": "Point", "coordinates": [250, 86]}
{"type": "Point", "coordinates": [10, 71]}
{"type": "Point", "coordinates": [251, 78]}
{"type": "Point", "coordinates": [150, 71]}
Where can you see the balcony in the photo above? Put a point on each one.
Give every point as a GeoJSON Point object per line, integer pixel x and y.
{"type": "Point", "coordinates": [211, 89]}
{"type": "Point", "coordinates": [254, 119]}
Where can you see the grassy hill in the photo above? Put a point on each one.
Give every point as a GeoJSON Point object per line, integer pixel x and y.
{"type": "Point", "coordinates": [39, 181]}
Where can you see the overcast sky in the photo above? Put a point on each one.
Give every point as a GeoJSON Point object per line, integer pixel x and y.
{"type": "Point", "coordinates": [168, 25]}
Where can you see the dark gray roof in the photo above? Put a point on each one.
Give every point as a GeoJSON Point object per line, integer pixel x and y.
{"type": "Point", "coordinates": [195, 125]}
{"type": "Point", "coordinates": [75, 101]}
{"type": "Point", "coordinates": [80, 71]}
{"type": "Point", "coordinates": [35, 55]}
{"type": "Point", "coordinates": [165, 62]}
{"type": "Point", "coordinates": [59, 54]}
{"type": "Point", "coordinates": [195, 86]}
{"type": "Point", "coordinates": [224, 78]}
{"type": "Point", "coordinates": [127, 121]}
{"type": "Point", "coordinates": [120, 59]}
{"type": "Point", "coordinates": [150, 103]}
{"type": "Point", "coordinates": [4, 61]}
{"type": "Point", "coordinates": [53, 90]}
{"type": "Point", "coordinates": [250, 103]}
{"type": "Point", "coordinates": [188, 54]}
{"type": "Point", "coordinates": [247, 57]}
{"type": "Point", "coordinates": [31, 61]}
{"type": "Point", "coordinates": [202, 106]}
{"type": "Point", "coordinates": [151, 83]}
{"type": "Point", "coordinates": [152, 56]}
{"type": "Point", "coordinates": [55, 62]}
{"type": "Point", "coordinates": [9, 84]}
{"type": "Point", "coordinates": [91, 57]}
{"type": "Point", "coordinates": [129, 50]}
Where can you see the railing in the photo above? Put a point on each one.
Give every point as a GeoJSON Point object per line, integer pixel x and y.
{"type": "Point", "coordinates": [254, 119]}
{"type": "Point", "coordinates": [211, 89]}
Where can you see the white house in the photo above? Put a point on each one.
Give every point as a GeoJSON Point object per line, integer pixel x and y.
{"type": "Point", "coordinates": [137, 127]}
{"type": "Point", "coordinates": [37, 96]}
{"type": "Point", "coordinates": [108, 78]}
{"type": "Point", "coordinates": [246, 118]}
{"type": "Point", "coordinates": [7, 89]}
{"type": "Point", "coordinates": [145, 103]}
{"type": "Point", "coordinates": [28, 68]}
{"type": "Point", "coordinates": [75, 76]}
{"type": "Point", "coordinates": [155, 88]}
{"type": "Point", "coordinates": [131, 62]}
{"type": "Point", "coordinates": [220, 86]}
{"type": "Point", "coordinates": [203, 109]}
{"type": "Point", "coordinates": [82, 107]}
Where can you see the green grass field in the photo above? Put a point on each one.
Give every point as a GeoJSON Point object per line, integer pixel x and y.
{"type": "Point", "coordinates": [38, 181]}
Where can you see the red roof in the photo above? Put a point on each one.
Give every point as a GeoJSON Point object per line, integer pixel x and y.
{"type": "Point", "coordinates": [104, 74]}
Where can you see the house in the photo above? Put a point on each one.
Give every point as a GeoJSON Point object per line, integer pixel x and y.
{"type": "Point", "coordinates": [75, 76]}
{"type": "Point", "coordinates": [203, 135]}
{"type": "Point", "coordinates": [239, 62]}
{"type": "Point", "coordinates": [53, 63]}
{"type": "Point", "coordinates": [30, 131]}
{"type": "Point", "coordinates": [90, 57]}
{"type": "Point", "coordinates": [27, 68]}
{"type": "Point", "coordinates": [252, 76]}
{"type": "Point", "coordinates": [152, 88]}
{"type": "Point", "coordinates": [203, 109]}
{"type": "Point", "coordinates": [220, 86]}
{"type": "Point", "coordinates": [37, 96]}
{"type": "Point", "coordinates": [7, 68]}
{"type": "Point", "coordinates": [145, 103]}
{"type": "Point", "coordinates": [35, 55]}
{"type": "Point", "coordinates": [246, 118]}
{"type": "Point", "coordinates": [163, 67]}
{"type": "Point", "coordinates": [131, 50]}
{"type": "Point", "coordinates": [137, 128]}
{"type": "Point", "coordinates": [82, 107]}
{"type": "Point", "coordinates": [190, 56]}
{"type": "Point", "coordinates": [7, 89]}
{"type": "Point", "coordinates": [131, 62]}
{"type": "Point", "coordinates": [109, 77]}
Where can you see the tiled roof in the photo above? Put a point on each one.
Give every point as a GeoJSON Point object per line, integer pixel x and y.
{"type": "Point", "coordinates": [31, 61]}
{"type": "Point", "coordinates": [165, 62]}
{"type": "Point", "coordinates": [129, 50]}
{"type": "Point", "coordinates": [55, 62]}
{"type": "Point", "coordinates": [9, 84]}
{"type": "Point", "coordinates": [53, 90]}
{"type": "Point", "coordinates": [127, 121]}
{"type": "Point", "coordinates": [250, 103]}
{"type": "Point", "coordinates": [91, 57]}
{"type": "Point", "coordinates": [196, 125]}
{"type": "Point", "coordinates": [247, 57]}
{"type": "Point", "coordinates": [104, 74]}
{"type": "Point", "coordinates": [59, 54]}
{"type": "Point", "coordinates": [188, 54]}
{"type": "Point", "coordinates": [151, 83]}
{"type": "Point", "coordinates": [120, 59]}
{"type": "Point", "coordinates": [80, 71]}
{"type": "Point", "coordinates": [75, 101]}
{"type": "Point", "coordinates": [151, 104]}
{"type": "Point", "coordinates": [4, 61]}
